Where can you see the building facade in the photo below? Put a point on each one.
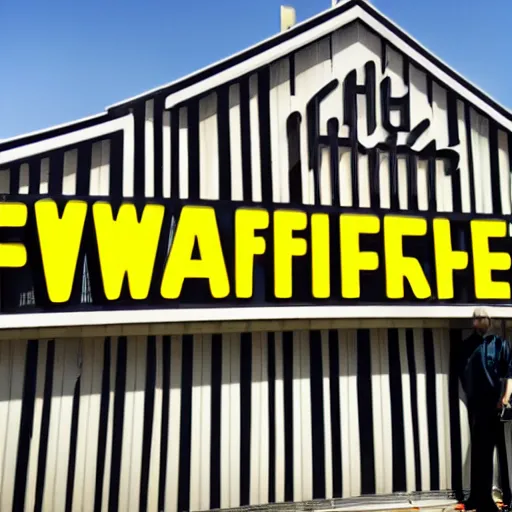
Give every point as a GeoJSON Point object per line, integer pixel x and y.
{"type": "Point", "coordinates": [247, 287]}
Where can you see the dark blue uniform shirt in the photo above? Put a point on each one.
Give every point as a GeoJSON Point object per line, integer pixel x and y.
{"type": "Point", "coordinates": [484, 363]}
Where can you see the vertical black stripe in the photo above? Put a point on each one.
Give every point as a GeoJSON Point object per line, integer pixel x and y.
{"type": "Point", "coordinates": [317, 414]}
{"type": "Point", "coordinates": [393, 178]}
{"type": "Point", "coordinates": [453, 119]}
{"type": "Point", "coordinates": [73, 445]}
{"type": "Point", "coordinates": [265, 135]}
{"type": "Point", "coordinates": [56, 173]}
{"type": "Point", "coordinates": [164, 427]}
{"type": "Point", "coordinates": [149, 411]}
{"type": "Point", "coordinates": [288, 414]}
{"type": "Point", "coordinates": [412, 179]}
{"type": "Point", "coordinates": [224, 146]}
{"type": "Point", "coordinates": [294, 163]}
{"type": "Point", "coordinates": [456, 191]}
{"type": "Point", "coordinates": [455, 434]}
{"type": "Point", "coordinates": [430, 87]}
{"type": "Point", "coordinates": [186, 423]}
{"type": "Point", "coordinates": [102, 425]}
{"type": "Point", "coordinates": [409, 338]}
{"type": "Point", "coordinates": [45, 426]}
{"type": "Point", "coordinates": [432, 184]}
{"type": "Point", "coordinates": [139, 121]}
{"type": "Point", "coordinates": [117, 430]}
{"type": "Point", "coordinates": [334, 387]}
{"type": "Point", "coordinates": [291, 62]}
{"type": "Point", "coordinates": [14, 179]}
{"type": "Point", "coordinates": [193, 149]}
{"type": "Point", "coordinates": [333, 126]}
{"type": "Point", "coordinates": [83, 171]}
{"type": "Point", "coordinates": [158, 146]}
{"type": "Point", "coordinates": [364, 399]}
{"type": "Point", "coordinates": [26, 424]}
{"type": "Point", "coordinates": [370, 97]}
{"type": "Point", "coordinates": [374, 177]}
{"type": "Point", "coordinates": [116, 165]}
{"type": "Point", "coordinates": [469, 146]}
{"type": "Point", "coordinates": [383, 56]}
{"type": "Point", "coordinates": [350, 119]}
{"type": "Point", "coordinates": [175, 153]}
{"type": "Point", "coordinates": [271, 351]}
{"type": "Point", "coordinates": [216, 413]}
{"type": "Point", "coordinates": [397, 413]}
{"type": "Point", "coordinates": [245, 131]}
{"type": "Point", "coordinates": [34, 176]}
{"type": "Point", "coordinates": [430, 366]}
{"type": "Point", "coordinates": [497, 207]}
{"type": "Point", "coordinates": [455, 169]}
{"type": "Point", "coordinates": [245, 417]}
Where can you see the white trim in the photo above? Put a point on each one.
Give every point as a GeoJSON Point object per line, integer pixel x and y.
{"type": "Point", "coordinates": [55, 127]}
{"type": "Point", "coordinates": [398, 27]}
{"type": "Point", "coordinates": [429, 66]}
{"type": "Point", "coordinates": [318, 32]}
{"type": "Point", "coordinates": [151, 316]}
{"type": "Point", "coordinates": [123, 123]}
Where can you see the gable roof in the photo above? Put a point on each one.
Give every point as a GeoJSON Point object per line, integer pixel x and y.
{"type": "Point", "coordinates": [317, 27]}
{"type": "Point", "coordinates": [281, 45]}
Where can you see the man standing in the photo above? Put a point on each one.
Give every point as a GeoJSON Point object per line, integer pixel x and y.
{"type": "Point", "coordinates": [485, 361]}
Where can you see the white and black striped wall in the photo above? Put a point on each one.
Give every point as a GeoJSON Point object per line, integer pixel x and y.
{"type": "Point", "coordinates": [196, 422]}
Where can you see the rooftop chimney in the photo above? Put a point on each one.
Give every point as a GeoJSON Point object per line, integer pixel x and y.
{"type": "Point", "coordinates": [288, 17]}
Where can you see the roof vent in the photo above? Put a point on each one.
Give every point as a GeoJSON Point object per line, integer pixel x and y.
{"type": "Point", "coordinates": [288, 17]}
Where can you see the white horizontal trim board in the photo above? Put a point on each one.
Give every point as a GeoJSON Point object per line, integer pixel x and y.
{"type": "Point", "coordinates": [150, 316]}
{"type": "Point", "coordinates": [26, 151]}
{"type": "Point", "coordinates": [51, 128]}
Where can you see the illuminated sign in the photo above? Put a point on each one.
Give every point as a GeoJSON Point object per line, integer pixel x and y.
{"type": "Point", "coordinates": [170, 254]}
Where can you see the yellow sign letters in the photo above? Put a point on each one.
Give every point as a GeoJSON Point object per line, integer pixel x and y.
{"type": "Point", "coordinates": [157, 251]}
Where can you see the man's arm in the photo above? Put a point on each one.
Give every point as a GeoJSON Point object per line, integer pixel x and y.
{"type": "Point", "coordinates": [464, 352]}
{"type": "Point", "coordinates": [507, 363]}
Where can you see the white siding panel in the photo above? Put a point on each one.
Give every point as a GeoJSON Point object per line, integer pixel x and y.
{"type": "Point", "coordinates": [69, 172]}
{"type": "Point", "coordinates": [149, 149]}
{"type": "Point", "coordinates": [24, 178]}
{"type": "Point", "coordinates": [235, 140]}
{"type": "Point", "coordinates": [5, 181]}
{"type": "Point", "coordinates": [14, 372]}
{"type": "Point", "coordinates": [173, 448]}
{"type": "Point", "coordinates": [166, 154]}
{"type": "Point", "coordinates": [255, 139]}
{"type": "Point", "coordinates": [44, 177]}
{"type": "Point", "coordinates": [280, 108]}
{"type": "Point", "coordinates": [183, 152]}
{"type": "Point", "coordinates": [209, 148]}
{"type": "Point", "coordinates": [156, 440]}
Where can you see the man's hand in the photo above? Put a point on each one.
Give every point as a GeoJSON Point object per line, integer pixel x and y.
{"type": "Point", "coordinates": [504, 401]}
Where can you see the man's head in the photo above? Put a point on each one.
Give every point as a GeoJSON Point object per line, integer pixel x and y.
{"type": "Point", "coordinates": [481, 321]}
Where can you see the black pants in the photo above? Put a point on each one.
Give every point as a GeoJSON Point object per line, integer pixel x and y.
{"type": "Point", "coordinates": [487, 432]}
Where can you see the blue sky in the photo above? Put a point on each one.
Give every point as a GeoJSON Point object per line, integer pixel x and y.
{"type": "Point", "coordinates": [66, 59]}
